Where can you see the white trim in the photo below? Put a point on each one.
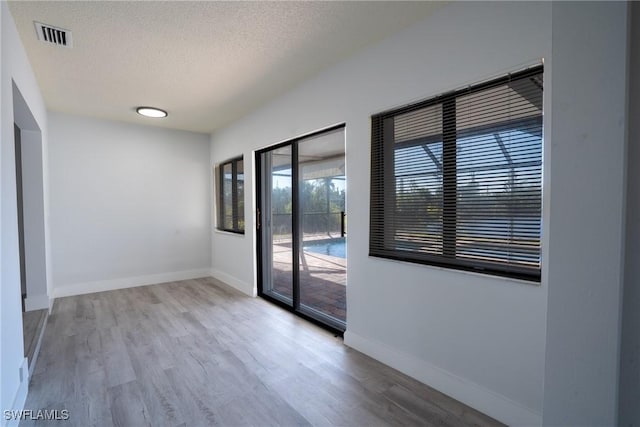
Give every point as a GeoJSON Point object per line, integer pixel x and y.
{"type": "Point", "coordinates": [36, 352]}
{"type": "Point", "coordinates": [21, 396]}
{"type": "Point", "coordinates": [509, 281]}
{"type": "Point", "coordinates": [234, 282]}
{"type": "Point", "coordinates": [229, 233]}
{"type": "Point", "coordinates": [475, 395]}
{"type": "Point", "coordinates": [36, 302]}
{"type": "Point", "coordinates": [127, 282]}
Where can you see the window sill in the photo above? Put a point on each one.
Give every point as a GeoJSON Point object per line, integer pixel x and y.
{"type": "Point", "coordinates": [229, 233]}
{"type": "Point", "coordinates": [484, 276]}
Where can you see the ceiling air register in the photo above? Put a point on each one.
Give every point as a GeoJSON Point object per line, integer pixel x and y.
{"type": "Point", "coordinates": [54, 35]}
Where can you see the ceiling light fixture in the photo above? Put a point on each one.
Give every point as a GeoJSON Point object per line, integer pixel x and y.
{"type": "Point", "coordinates": [156, 113]}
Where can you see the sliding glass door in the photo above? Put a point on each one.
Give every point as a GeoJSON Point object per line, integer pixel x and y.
{"type": "Point", "coordinates": [301, 226]}
{"type": "Point", "coordinates": [322, 194]}
{"type": "Point", "coordinates": [276, 224]}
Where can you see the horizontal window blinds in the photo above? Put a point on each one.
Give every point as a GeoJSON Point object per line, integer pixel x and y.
{"type": "Point", "coordinates": [230, 188]}
{"type": "Point", "coordinates": [456, 180]}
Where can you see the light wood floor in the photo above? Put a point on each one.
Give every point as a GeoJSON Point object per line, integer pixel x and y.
{"type": "Point", "coordinates": [197, 353]}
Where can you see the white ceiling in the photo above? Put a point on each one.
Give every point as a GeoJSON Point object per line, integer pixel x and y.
{"type": "Point", "coordinates": [206, 63]}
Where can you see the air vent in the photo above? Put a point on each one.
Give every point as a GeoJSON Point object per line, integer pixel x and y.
{"type": "Point", "coordinates": [54, 35]}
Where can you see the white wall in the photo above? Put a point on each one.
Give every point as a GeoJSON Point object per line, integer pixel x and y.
{"type": "Point", "coordinates": [33, 216]}
{"type": "Point", "coordinates": [630, 354]}
{"type": "Point", "coordinates": [130, 204]}
{"type": "Point", "coordinates": [587, 190]}
{"type": "Point", "coordinates": [33, 204]}
{"type": "Point", "coordinates": [478, 338]}
{"type": "Point", "coordinates": [2, 126]}
{"type": "Point", "coordinates": [15, 68]}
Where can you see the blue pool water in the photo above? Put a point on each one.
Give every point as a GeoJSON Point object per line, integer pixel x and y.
{"type": "Point", "coordinates": [333, 247]}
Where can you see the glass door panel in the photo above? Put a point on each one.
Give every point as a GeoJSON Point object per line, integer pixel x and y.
{"type": "Point", "coordinates": [322, 238]}
{"type": "Point", "coordinates": [277, 230]}
{"type": "Point", "coordinates": [301, 226]}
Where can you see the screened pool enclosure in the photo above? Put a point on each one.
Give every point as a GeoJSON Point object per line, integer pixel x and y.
{"type": "Point", "coordinates": [302, 200]}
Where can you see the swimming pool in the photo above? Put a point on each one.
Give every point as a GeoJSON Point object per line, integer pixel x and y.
{"type": "Point", "coordinates": [333, 247]}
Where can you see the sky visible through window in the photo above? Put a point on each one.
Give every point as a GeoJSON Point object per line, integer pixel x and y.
{"type": "Point", "coordinates": [416, 169]}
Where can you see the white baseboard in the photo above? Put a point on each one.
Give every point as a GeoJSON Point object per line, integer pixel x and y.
{"type": "Point", "coordinates": [36, 302]}
{"type": "Point", "coordinates": [478, 397]}
{"type": "Point", "coordinates": [127, 282]}
{"type": "Point", "coordinates": [20, 397]}
{"type": "Point", "coordinates": [234, 282]}
{"type": "Point", "coordinates": [36, 351]}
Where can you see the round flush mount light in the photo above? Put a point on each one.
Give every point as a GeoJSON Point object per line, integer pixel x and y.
{"type": "Point", "coordinates": [156, 113]}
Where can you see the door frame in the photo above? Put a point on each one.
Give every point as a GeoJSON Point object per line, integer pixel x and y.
{"type": "Point", "coordinates": [295, 231]}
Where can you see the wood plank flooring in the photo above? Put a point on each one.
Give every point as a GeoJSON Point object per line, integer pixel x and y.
{"type": "Point", "coordinates": [198, 353]}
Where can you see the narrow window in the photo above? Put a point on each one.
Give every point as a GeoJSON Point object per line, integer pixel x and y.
{"type": "Point", "coordinates": [456, 180]}
{"type": "Point", "coordinates": [230, 189]}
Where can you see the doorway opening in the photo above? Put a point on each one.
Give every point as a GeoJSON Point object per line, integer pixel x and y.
{"type": "Point", "coordinates": [302, 255]}
{"type": "Point", "coordinates": [31, 225]}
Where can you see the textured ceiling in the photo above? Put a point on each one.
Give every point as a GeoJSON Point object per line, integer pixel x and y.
{"type": "Point", "coordinates": [206, 63]}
